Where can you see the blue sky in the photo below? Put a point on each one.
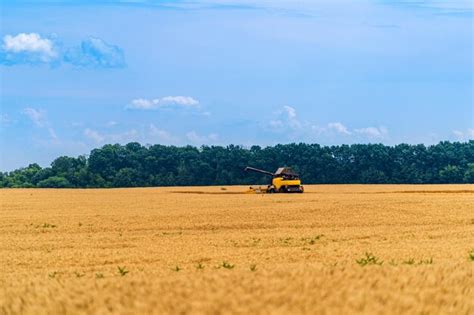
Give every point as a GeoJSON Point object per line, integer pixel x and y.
{"type": "Point", "coordinates": [78, 74]}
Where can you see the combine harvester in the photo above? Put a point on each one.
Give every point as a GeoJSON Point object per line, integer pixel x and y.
{"type": "Point", "coordinates": [284, 180]}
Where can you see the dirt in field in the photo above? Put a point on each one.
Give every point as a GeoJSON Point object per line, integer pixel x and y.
{"type": "Point", "coordinates": [382, 249]}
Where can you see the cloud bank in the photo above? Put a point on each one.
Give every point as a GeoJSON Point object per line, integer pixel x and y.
{"type": "Point", "coordinates": [34, 49]}
{"type": "Point", "coordinates": [288, 122]}
{"type": "Point", "coordinates": [94, 52]}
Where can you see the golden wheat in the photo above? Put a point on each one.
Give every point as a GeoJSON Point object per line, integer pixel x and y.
{"type": "Point", "coordinates": [335, 249]}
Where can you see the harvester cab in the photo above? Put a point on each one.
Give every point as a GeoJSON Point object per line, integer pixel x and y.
{"type": "Point", "coordinates": [284, 180]}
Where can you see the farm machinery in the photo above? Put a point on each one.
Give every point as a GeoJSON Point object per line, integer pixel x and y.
{"type": "Point", "coordinates": [284, 180]}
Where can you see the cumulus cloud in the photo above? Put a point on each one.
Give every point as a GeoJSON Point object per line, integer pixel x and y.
{"type": "Point", "coordinates": [276, 124]}
{"type": "Point", "coordinates": [195, 138]}
{"type": "Point", "coordinates": [95, 52]}
{"type": "Point", "coordinates": [94, 135]}
{"type": "Point", "coordinates": [153, 104]}
{"type": "Point", "coordinates": [373, 132]}
{"type": "Point", "coordinates": [464, 135]}
{"type": "Point", "coordinates": [161, 135]}
{"type": "Point", "coordinates": [292, 120]}
{"type": "Point", "coordinates": [181, 100]}
{"type": "Point", "coordinates": [339, 128]}
{"type": "Point", "coordinates": [27, 48]}
{"type": "Point", "coordinates": [286, 119]}
{"type": "Point", "coordinates": [290, 111]}
{"type": "Point", "coordinates": [38, 117]}
{"type": "Point", "coordinates": [141, 103]}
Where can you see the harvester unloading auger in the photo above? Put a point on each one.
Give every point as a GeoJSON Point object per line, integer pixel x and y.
{"type": "Point", "coordinates": [284, 180]}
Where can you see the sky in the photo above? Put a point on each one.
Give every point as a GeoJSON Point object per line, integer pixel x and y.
{"type": "Point", "coordinates": [75, 75]}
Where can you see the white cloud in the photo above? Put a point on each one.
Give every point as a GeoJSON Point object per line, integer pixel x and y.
{"type": "Point", "coordinates": [286, 119]}
{"type": "Point", "coordinates": [464, 135]}
{"type": "Point", "coordinates": [29, 48]}
{"type": "Point", "coordinates": [111, 123]}
{"type": "Point", "coordinates": [293, 121]}
{"type": "Point", "coordinates": [291, 112]}
{"type": "Point", "coordinates": [160, 134]}
{"type": "Point", "coordinates": [195, 138]}
{"type": "Point", "coordinates": [317, 129]}
{"type": "Point", "coordinates": [339, 128]}
{"type": "Point", "coordinates": [277, 124]}
{"type": "Point", "coordinates": [141, 103]}
{"type": "Point", "coordinates": [180, 100]}
{"type": "Point", "coordinates": [52, 133]}
{"type": "Point", "coordinates": [96, 136]}
{"type": "Point", "coordinates": [167, 101]}
{"type": "Point", "coordinates": [38, 117]}
{"type": "Point", "coordinates": [373, 132]}
{"type": "Point", "coordinates": [95, 52]}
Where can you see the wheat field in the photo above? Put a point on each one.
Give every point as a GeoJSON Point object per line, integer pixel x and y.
{"type": "Point", "coordinates": [372, 249]}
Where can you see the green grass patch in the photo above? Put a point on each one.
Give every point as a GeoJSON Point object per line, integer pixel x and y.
{"type": "Point", "coordinates": [369, 259]}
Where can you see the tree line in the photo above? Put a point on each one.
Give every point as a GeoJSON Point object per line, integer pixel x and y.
{"type": "Point", "coordinates": [135, 165]}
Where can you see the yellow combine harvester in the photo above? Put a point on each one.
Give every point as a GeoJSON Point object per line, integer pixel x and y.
{"type": "Point", "coordinates": [284, 180]}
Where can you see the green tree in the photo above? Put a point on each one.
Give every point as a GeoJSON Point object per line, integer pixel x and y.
{"type": "Point", "coordinates": [131, 165]}
{"type": "Point", "coordinates": [54, 182]}
{"type": "Point", "coordinates": [127, 177]}
{"type": "Point", "coordinates": [469, 174]}
{"type": "Point", "coordinates": [451, 174]}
